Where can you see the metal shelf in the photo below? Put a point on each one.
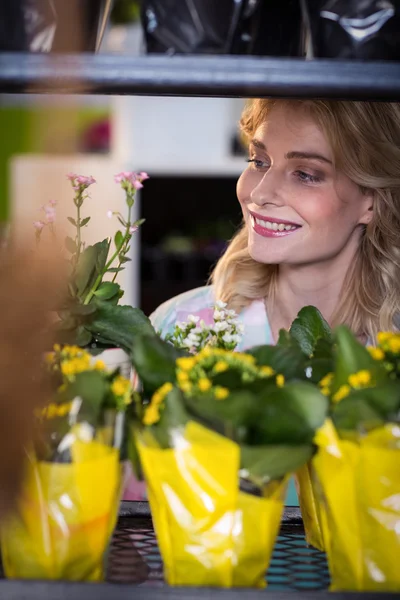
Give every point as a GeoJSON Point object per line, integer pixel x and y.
{"type": "Point", "coordinates": [297, 572]}
{"type": "Point", "coordinates": [198, 76]}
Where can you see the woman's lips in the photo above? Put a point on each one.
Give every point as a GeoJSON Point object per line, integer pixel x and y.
{"type": "Point", "coordinates": [270, 228]}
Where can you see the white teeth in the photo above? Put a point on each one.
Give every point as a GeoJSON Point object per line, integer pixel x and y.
{"type": "Point", "coordinates": [272, 226]}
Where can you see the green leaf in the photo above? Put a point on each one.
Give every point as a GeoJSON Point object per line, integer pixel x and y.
{"type": "Point", "coordinates": [115, 269]}
{"type": "Point", "coordinates": [119, 325]}
{"type": "Point", "coordinates": [290, 415]}
{"type": "Point", "coordinates": [308, 327]}
{"type": "Point", "coordinates": [83, 337]}
{"type": "Point", "coordinates": [85, 273]}
{"type": "Point", "coordinates": [232, 417]}
{"type": "Point", "coordinates": [85, 221]}
{"type": "Point", "coordinates": [288, 360]}
{"type": "Point", "coordinates": [118, 240]}
{"type": "Point", "coordinates": [82, 309]}
{"type": "Point", "coordinates": [72, 221]}
{"type": "Point", "coordinates": [263, 463]}
{"type": "Point", "coordinates": [153, 359]}
{"type": "Point", "coordinates": [125, 259]}
{"type": "Point", "coordinates": [367, 408]}
{"type": "Point", "coordinates": [107, 290]}
{"type": "Point", "coordinates": [351, 356]}
{"type": "Point", "coordinates": [102, 249]}
{"type": "Point", "coordinates": [92, 387]}
{"type": "Point", "coordinates": [70, 245]}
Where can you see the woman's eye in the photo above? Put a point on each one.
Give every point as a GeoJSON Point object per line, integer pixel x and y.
{"type": "Point", "coordinates": [307, 178]}
{"type": "Point", "coordinates": [259, 164]}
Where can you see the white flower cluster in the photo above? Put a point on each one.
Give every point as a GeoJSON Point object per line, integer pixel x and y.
{"type": "Point", "coordinates": [193, 335]}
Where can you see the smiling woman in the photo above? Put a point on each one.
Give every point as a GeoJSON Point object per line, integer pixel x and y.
{"type": "Point", "coordinates": [321, 221]}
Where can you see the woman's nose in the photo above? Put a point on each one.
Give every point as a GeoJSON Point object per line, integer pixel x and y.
{"type": "Point", "coordinates": [269, 190]}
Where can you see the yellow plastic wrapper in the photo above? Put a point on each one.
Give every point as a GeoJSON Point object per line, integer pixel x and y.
{"type": "Point", "coordinates": [310, 507]}
{"type": "Point", "coordinates": [65, 517]}
{"type": "Point", "coordinates": [360, 487]}
{"type": "Point", "coordinates": [209, 532]}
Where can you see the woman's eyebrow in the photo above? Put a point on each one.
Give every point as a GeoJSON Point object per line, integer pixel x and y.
{"type": "Point", "coordinates": [258, 144]}
{"type": "Point", "coordinates": [308, 155]}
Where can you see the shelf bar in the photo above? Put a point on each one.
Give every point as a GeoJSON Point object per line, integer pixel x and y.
{"type": "Point", "coordinates": [198, 76]}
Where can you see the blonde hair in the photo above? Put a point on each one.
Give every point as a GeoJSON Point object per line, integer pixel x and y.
{"type": "Point", "coordinates": [365, 140]}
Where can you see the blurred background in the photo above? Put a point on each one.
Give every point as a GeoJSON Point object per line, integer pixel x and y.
{"type": "Point", "coordinates": [189, 147]}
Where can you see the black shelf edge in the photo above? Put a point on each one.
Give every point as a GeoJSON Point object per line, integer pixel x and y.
{"type": "Point", "coordinates": [291, 514]}
{"type": "Point", "coordinates": [198, 76]}
{"type": "Point", "coordinates": [32, 590]}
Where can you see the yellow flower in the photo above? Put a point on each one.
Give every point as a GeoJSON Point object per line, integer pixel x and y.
{"type": "Point", "coordinates": [186, 363]}
{"type": "Point", "coordinates": [360, 379]}
{"type": "Point", "coordinates": [246, 358]}
{"type": "Point", "coordinates": [267, 371]}
{"type": "Point", "coordinates": [325, 391]}
{"type": "Point", "coordinates": [67, 367]}
{"type": "Point", "coordinates": [182, 376]}
{"type": "Point", "coordinates": [120, 386]}
{"type": "Point", "coordinates": [221, 392]}
{"type": "Point", "coordinates": [151, 415]}
{"type": "Point", "coordinates": [100, 365]}
{"type": "Point", "coordinates": [342, 393]}
{"type": "Point", "coordinates": [383, 336]}
{"type": "Point", "coordinates": [221, 366]}
{"type": "Point", "coordinates": [164, 390]}
{"type": "Point", "coordinates": [57, 348]}
{"type": "Point", "coordinates": [56, 410]}
{"type": "Point", "coordinates": [186, 387]}
{"type": "Point", "coordinates": [376, 353]}
{"type": "Point", "coordinates": [204, 384]}
{"type": "Point", "coordinates": [280, 380]}
{"type": "Point", "coordinates": [326, 381]}
{"type": "Point", "coordinates": [394, 344]}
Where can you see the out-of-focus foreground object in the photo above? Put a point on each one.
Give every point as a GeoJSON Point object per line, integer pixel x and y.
{"type": "Point", "coordinates": [365, 29]}
{"type": "Point", "coordinates": [53, 25]}
{"type": "Point", "coordinates": [31, 283]}
{"type": "Point", "coordinates": [223, 27]}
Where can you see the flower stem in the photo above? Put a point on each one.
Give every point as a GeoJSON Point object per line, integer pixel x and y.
{"type": "Point", "coordinates": [118, 252]}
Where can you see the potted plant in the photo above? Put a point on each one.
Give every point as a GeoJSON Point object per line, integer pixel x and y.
{"type": "Point", "coordinates": [217, 434]}
{"type": "Point", "coordinates": [356, 470]}
{"type": "Point", "coordinates": [69, 500]}
{"type": "Point", "coordinates": [91, 315]}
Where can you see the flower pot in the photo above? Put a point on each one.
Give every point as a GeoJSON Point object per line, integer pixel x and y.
{"type": "Point", "coordinates": [359, 484]}
{"type": "Point", "coordinates": [65, 516]}
{"type": "Point", "coordinates": [209, 532]}
{"type": "Point", "coordinates": [53, 25]}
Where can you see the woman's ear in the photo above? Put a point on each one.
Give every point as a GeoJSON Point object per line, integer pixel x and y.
{"type": "Point", "coordinates": [368, 208]}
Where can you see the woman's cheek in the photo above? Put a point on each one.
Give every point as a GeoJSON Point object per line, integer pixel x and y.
{"type": "Point", "coordinates": [244, 186]}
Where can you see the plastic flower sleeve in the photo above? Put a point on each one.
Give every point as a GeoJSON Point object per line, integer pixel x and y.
{"type": "Point", "coordinates": [65, 516]}
{"type": "Point", "coordinates": [210, 533]}
{"type": "Point", "coordinates": [310, 507]}
{"type": "Point", "coordinates": [360, 486]}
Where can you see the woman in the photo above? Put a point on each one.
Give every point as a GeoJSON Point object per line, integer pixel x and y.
{"type": "Point", "coordinates": [321, 222]}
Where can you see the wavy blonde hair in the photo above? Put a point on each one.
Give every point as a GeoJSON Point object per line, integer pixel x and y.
{"type": "Point", "coordinates": [365, 140]}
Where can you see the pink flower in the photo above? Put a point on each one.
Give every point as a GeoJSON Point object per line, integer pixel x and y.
{"type": "Point", "coordinates": [82, 180]}
{"type": "Point", "coordinates": [38, 225]}
{"type": "Point", "coordinates": [50, 214]}
{"type": "Point", "coordinates": [133, 229]}
{"type": "Point", "coordinates": [206, 315]}
{"type": "Point", "coordinates": [135, 179]}
{"type": "Point", "coordinates": [53, 203]}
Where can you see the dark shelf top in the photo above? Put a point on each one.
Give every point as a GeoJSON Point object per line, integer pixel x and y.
{"type": "Point", "coordinates": [198, 76]}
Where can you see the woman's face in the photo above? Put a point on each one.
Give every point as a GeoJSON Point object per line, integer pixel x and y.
{"type": "Point", "coordinates": [298, 208]}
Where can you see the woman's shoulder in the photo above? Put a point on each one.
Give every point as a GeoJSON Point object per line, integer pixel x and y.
{"type": "Point", "coordinates": [199, 301]}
